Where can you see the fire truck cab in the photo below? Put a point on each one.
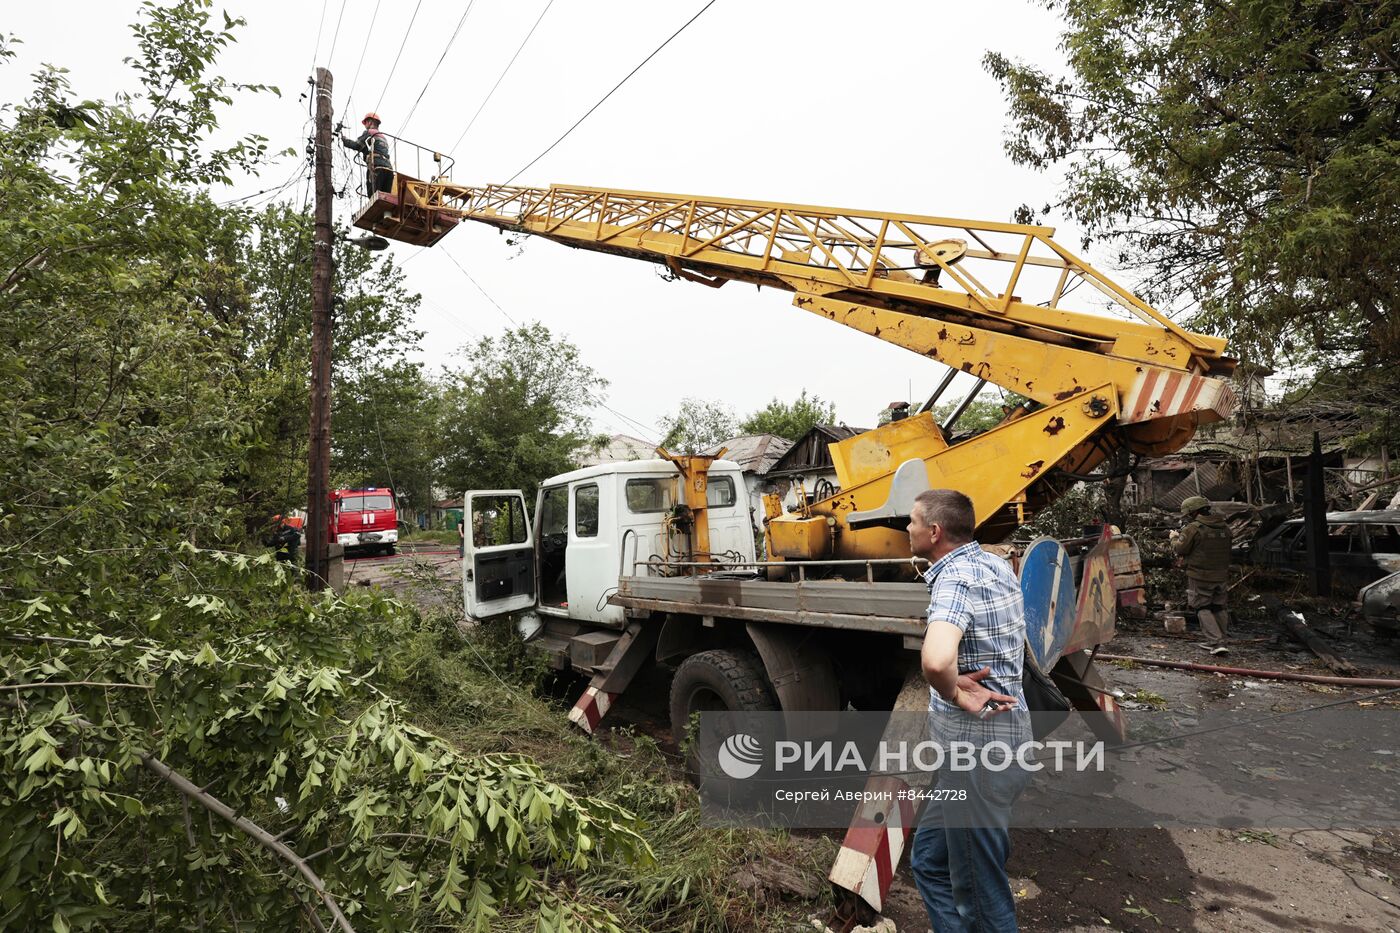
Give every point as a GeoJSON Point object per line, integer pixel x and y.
{"type": "Point", "coordinates": [365, 520]}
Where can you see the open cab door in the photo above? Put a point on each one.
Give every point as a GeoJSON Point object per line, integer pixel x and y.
{"type": "Point", "coordinates": [498, 554]}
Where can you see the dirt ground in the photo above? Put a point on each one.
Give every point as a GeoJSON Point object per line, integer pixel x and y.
{"type": "Point", "coordinates": [1145, 879]}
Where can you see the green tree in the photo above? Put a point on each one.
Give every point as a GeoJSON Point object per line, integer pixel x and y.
{"type": "Point", "coordinates": [1241, 156]}
{"type": "Point", "coordinates": [385, 430]}
{"type": "Point", "coordinates": [373, 334]}
{"type": "Point", "coordinates": [790, 419]}
{"type": "Point", "coordinates": [697, 425]}
{"type": "Point", "coordinates": [517, 412]}
{"type": "Point", "coordinates": [982, 414]}
{"type": "Point", "coordinates": [188, 738]}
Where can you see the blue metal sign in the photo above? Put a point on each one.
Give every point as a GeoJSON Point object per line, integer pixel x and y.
{"type": "Point", "coordinates": [1047, 587]}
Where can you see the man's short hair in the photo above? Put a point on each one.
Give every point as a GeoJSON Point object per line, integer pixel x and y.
{"type": "Point", "coordinates": [948, 509]}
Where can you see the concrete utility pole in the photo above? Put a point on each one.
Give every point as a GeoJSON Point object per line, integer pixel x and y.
{"type": "Point", "coordinates": [322, 273]}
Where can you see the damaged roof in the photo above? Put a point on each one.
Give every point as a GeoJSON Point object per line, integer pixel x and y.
{"type": "Point", "coordinates": [755, 453]}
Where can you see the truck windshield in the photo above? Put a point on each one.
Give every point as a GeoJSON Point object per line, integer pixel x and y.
{"type": "Point", "coordinates": [369, 503]}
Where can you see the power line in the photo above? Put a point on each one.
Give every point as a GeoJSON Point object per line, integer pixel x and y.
{"type": "Point", "coordinates": [275, 189]}
{"type": "Point", "coordinates": [395, 66]}
{"type": "Point", "coordinates": [613, 91]}
{"type": "Point", "coordinates": [502, 76]}
{"type": "Point", "coordinates": [336, 37]}
{"type": "Point", "coordinates": [638, 424]}
{"type": "Point", "coordinates": [320, 28]}
{"type": "Point", "coordinates": [358, 65]}
{"type": "Point", "coordinates": [403, 127]}
{"type": "Point", "coordinates": [479, 288]}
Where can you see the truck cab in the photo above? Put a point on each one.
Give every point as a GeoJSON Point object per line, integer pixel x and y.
{"type": "Point", "coordinates": [590, 527]}
{"type": "Point", "coordinates": [365, 520]}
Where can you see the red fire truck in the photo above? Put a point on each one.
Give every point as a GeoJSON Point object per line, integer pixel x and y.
{"type": "Point", "coordinates": [365, 520]}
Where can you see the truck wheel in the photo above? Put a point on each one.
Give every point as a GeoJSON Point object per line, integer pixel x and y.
{"type": "Point", "coordinates": [719, 680]}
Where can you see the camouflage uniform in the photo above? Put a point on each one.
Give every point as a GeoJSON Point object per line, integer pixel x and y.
{"type": "Point", "coordinates": [1204, 547]}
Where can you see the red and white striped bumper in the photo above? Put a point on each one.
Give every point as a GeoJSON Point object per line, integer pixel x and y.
{"type": "Point", "coordinates": [590, 708]}
{"type": "Point", "coordinates": [875, 842]}
{"type": "Point", "coordinates": [1162, 393]}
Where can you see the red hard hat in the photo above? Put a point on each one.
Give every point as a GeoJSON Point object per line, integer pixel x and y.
{"type": "Point", "coordinates": [371, 116]}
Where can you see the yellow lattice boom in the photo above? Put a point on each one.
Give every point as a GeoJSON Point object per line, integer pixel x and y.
{"type": "Point", "coordinates": [1002, 301]}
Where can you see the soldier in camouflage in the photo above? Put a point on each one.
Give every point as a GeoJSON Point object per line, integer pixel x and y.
{"type": "Point", "coordinates": [1203, 547]}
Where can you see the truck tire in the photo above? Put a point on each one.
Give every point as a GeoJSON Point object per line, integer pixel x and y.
{"type": "Point", "coordinates": [718, 680]}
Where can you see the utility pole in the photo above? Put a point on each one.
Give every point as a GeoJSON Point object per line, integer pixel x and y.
{"type": "Point", "coordinates": [1315, 524]}
{"type": "Point", "coordinates": [322, 273]}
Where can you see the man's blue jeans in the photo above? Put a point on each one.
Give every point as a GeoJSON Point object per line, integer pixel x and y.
{"type": "Point", "coordinates": [960, 851]}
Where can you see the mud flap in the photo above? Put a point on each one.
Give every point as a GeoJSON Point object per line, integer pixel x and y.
{"type": "Point", "coordinates": [632, 650]}
{"type": "Point", "coordinates": [800, 672]}
{"type": "Point", "coordinates": [879, 832]}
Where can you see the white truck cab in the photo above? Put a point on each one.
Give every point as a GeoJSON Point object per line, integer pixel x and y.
{"type": "Point", "coordinates": [590, 527]}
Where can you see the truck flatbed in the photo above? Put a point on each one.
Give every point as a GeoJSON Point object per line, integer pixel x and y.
{"type": "Point", "coordinates": [889, 608]}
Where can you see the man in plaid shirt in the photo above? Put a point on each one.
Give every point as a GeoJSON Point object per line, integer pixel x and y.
{"type": "Point", "coordinates": [972, 655]}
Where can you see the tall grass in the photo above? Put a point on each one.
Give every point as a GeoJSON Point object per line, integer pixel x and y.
{"type": "Point", "coordinates": [483, 689]}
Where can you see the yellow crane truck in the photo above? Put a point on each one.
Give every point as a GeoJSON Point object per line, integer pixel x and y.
{"type": "Point", "coordinates": [626, 565]}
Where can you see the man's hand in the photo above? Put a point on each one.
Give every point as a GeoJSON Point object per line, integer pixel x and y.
{"type": "Point", "coordinates": [969, 695]}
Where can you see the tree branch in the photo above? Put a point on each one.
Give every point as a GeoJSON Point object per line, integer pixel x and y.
{"type": "Point", "coordinates": [211, 803]}
{"type": "Point", "coordinates": [72, 683]}
{"type": "Point", "coordinates": [217, 807]}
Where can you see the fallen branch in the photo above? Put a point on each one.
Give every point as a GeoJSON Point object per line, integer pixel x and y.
{"type": "Point", "coordinates": [217, 807]}
{"type": "Point", "coordinates": [1297, 626]}
{"type": "Point", "coordinates": [72, 683]}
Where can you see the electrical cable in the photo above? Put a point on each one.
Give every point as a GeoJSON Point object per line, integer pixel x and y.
{"type": "Point", "coordinates": [320, 28]}
{"type": "Point", "coordinates": [479, 288]}
{"type": "Point", "coordinates": [331, 56]}
{"type": "Point", "coordinates": [643, 426]}
{"type": "Point", "coordinates": [501, 77]}
{"type": "Point", "coordinates": [403, 126]}
{"type": "Point", "coordinates": [395, 66]}
{"type": "Point", "coordinates": [364, 48]}
{"type": "Point", "coordinates": [275, 189]}
{"type": "Point", "coordinates": [619, 84]}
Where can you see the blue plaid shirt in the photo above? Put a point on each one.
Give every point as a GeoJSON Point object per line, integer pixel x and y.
{"type": "Point", "coordinates": [978, 593]}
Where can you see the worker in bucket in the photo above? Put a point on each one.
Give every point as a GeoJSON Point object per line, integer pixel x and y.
{"type": "Point", "coordinates": [374, 146]}
{"type": "Point", "coordinates": [1203, 547]}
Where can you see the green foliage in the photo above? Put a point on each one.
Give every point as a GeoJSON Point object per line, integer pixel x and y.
{"type": "Point", "coordinates": [384, 409]}
{"type": "Point", "coordinates": [1067, 515]}
{"type": "Point", "coordinates": [287, 724]}
{"type": "Point", "coordinates": [790, 420]}
{"type": "Point", "coordinates": [384, 430]}
{"type": "Point", "coordinates": [149, 350]}
{"type": "Point", "coordinates": [480, 692]}
{"type": "Point", "coordinates": [517, 412]}
{"type": "Point", "coordinates": [982, 414]}
{"type": "Point", "coordinates": [697, 425]}
{"type": "Point", "coordinates": [1242, 156]}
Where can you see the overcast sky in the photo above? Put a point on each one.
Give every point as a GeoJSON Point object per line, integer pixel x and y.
{"type": "Point", "coordinates": [877, 105]}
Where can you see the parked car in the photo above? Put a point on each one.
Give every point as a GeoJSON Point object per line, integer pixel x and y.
{"type": "Point", "coordinates": [1363, 546]}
